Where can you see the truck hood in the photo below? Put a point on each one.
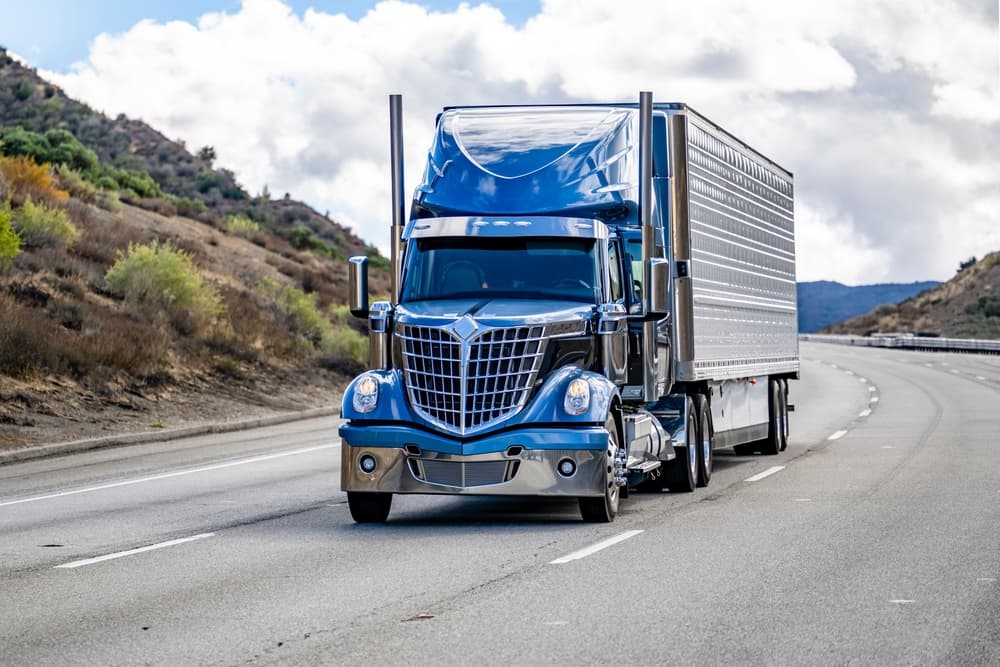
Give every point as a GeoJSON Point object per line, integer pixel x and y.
{"type": "Point", "coordinates": [495, 312]}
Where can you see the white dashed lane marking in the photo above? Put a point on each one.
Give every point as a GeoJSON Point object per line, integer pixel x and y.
{"type": "Point", "coordinates": [132, 552]}
{"type": "Point", "coordinates": [594, 548]}
{"type": "Point", "coordinates": [767, 473]}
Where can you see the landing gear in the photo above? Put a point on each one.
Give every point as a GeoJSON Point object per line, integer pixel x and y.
{"type": "Point", "coordinates": [604, 509]}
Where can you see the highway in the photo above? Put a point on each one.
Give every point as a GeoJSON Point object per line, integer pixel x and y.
{"type": "Point", "coordinates": [874, 539]}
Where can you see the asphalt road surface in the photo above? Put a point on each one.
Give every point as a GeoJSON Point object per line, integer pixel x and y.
{"type": "Point", "coordinates": [874, 539]}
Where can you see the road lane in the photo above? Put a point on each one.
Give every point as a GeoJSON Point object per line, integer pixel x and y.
{"type": "Point", "coordinates": [809, 563]}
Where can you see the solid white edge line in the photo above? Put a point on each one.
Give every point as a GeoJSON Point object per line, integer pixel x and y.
{"type": "Point", "coordinates": [167, 475]}
{"type": "Point", "coordinates": [980, 377]}
{"type": "Point", "coordinates": [838, 435]}
{"type": "Point", "coordinates": [594, 548]}
{"type": "Point", "coordinates": [864, 413]}
{"type": "Point", "coordinates": [130, 552]}
{"type": "Point", "coordinates": [767, 473]}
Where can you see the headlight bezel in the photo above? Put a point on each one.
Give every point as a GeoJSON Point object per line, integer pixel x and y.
{"type": "Point", "coordinates": [576, 400]}
{"type": "Point", "coordinates": [365, 395]}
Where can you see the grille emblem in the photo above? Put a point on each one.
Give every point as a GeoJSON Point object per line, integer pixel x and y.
{"type": "Point", "coordinates": [464, 327]}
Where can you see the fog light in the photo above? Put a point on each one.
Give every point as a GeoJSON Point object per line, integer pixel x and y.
{"type": "Point", "coordinates": [567, 467]}
{"type": "Point", "coordinates": [367, 463]}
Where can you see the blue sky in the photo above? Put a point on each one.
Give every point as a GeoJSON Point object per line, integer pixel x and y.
{"type": "Point", "coordinates": [53, 34]}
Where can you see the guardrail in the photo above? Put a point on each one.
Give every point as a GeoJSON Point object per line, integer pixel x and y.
{"type": "Point", "coordinates": [911, 342]}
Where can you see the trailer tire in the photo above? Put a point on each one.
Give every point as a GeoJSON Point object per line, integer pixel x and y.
{"type": "Point", "coordinates": [603, 509]}
{"type": "Point", "coordinates": [784, 414]}
{"type": "Point", "coordinates": [706, 456]}
{"type": "Point", "coordinates": [683, 471]}
{"type": "Point", "coordinates": [775, 426]}
{"type": "Point", "coordinates": [369, 507]}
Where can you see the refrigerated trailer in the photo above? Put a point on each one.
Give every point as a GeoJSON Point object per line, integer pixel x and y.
{"type": "Point", "coordinates": [586, 300]}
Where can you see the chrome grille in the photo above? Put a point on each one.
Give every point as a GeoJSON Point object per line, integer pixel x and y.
{"type": "Point", "coordinates": [468, 385]}
{"type": "Point", "coordinates": [464, 474]}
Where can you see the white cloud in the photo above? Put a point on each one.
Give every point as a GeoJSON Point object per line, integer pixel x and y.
{"type": "Point", "coordinates": [887, 110]}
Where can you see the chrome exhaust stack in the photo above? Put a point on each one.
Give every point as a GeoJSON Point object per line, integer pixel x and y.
{"type": "Point", "coordinates": [398, 196]}
{"type": "Point", "coordinates": [655, 268]}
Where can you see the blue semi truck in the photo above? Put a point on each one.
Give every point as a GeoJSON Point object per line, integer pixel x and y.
{"type": "Point", "coordinates": [586, 300]}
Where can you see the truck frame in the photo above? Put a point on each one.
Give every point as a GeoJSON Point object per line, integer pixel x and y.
{"type": "Point", "coordinates": [586, 300]}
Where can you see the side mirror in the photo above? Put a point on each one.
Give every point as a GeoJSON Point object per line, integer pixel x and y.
{"type": "Point", "coordinates": [657, 281]}
{"type": "Point", "coordinates": [357, 274]}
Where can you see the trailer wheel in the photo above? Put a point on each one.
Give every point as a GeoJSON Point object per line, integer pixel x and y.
{"type": "Point", "coordinates": [604, 509]}
{"type": "Point", "coordinates": [683, 470]}
{"type": "Point", "coordinates": [369, 507]}
{"type": "Point", "coordinates": [706, 457]}
{"type": "Point", "coordinates": [784, 414]}
{"type": "Point", "coordinates": [775, 423]}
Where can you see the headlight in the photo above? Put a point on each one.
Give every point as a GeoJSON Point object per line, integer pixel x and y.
{"type": "Point", "coordinates": [577, 399]}
{"type": "Point", "coordinates": [365, 394]}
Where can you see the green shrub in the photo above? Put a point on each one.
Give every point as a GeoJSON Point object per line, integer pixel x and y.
{"type": "Point", "coordinates": [138, 182]}
{"type": "Point", "coordinates": [241, 225]}
{"type": "Point", "coordinates": [109, 201]}
{"type": "Point", "coordinates": [346, 343]}
{"type": "Point", "coordinates": [39, 225]}
{"type": "Point", "coordinates": [73, 181]}
{"type": "Point", "coordinates": [159, 274]}
{"type": "Point", "coordinates": [10, 242]}
{"type": "Point", "coordinates": [300, 308]}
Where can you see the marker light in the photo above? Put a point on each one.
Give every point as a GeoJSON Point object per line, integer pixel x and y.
{"type": "Point", "coordinates": [577, 399]}
{"type": "Point", "coordinates": [365, 394]}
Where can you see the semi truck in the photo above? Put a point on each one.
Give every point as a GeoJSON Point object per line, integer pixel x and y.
{"type": "Point", "coordinates": [587, 300]}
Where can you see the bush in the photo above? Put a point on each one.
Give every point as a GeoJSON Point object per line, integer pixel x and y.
{"type": "Point", "coordinates": [26, 178]}
{"type": "Point", "coordinates": [298, 307]}
{"type": "Point", "coordinates": [39, 225]}
{"type": "Point", "coordinates": [345, 343]}
{"type": "Point", "coordinates": [73, 182]}
{"type": "Point", "coordinates": [10, 242]}
{"type": "Point", "coordinates": [241, 225]}
{"type": "Point", "coordinates": [157, 273]}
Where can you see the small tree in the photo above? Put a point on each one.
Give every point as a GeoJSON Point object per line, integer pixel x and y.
{"type": "Point", "coordinates": [967, 264]}
{"type": "Point", "coordinates": [207, 153]}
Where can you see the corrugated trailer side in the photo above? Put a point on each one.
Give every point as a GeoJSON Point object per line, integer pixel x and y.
{"type": "Point", "coordinates": [733, 218]}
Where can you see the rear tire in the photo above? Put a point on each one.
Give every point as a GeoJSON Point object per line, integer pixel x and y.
{"type": "Point", "coordinates": [683, 471]}
{"type": "Point", "coordinates": [784, 414]}
{"type": "Point", "coordinates": [369, 507]}
{"type": "Point", "coordinates": [772, 445]}
{"type": "Point", "coordinates": [706, 456]}
{"type": "Point", "coordinates": [604, 508]}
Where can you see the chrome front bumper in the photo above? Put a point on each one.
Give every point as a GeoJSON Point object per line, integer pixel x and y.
{"type": "Point", "coordinates": [529, 472]}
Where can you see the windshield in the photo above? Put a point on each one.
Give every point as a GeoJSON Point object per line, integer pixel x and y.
{"type": "Point", "coordinates": [487, 268]}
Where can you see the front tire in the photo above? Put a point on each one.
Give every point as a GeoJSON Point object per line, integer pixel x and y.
{"type": "Point", "coordinates": [369, 507]}
{"type": "Point", "coordinates": [604, 509]}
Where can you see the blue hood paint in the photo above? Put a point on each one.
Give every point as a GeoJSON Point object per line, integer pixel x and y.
{"type": "Point", "coordinates": [495, 312]}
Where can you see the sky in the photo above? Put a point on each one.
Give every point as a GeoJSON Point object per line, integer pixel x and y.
{"type": "Point", "coordinates": [887, 111]}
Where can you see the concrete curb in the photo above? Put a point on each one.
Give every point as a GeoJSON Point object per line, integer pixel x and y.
{"type": "Point", "coordinates": [58, 449]}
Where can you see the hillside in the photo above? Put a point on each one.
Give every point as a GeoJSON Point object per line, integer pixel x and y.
{"type": "Point", "coordinates": [141, 288]}
{"type": "Point", "coordinates": [190, 183]}
{"type": "Point", "coordinates": [822, 303]}
{"type": "Point", "coordinates": [967, 306]}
